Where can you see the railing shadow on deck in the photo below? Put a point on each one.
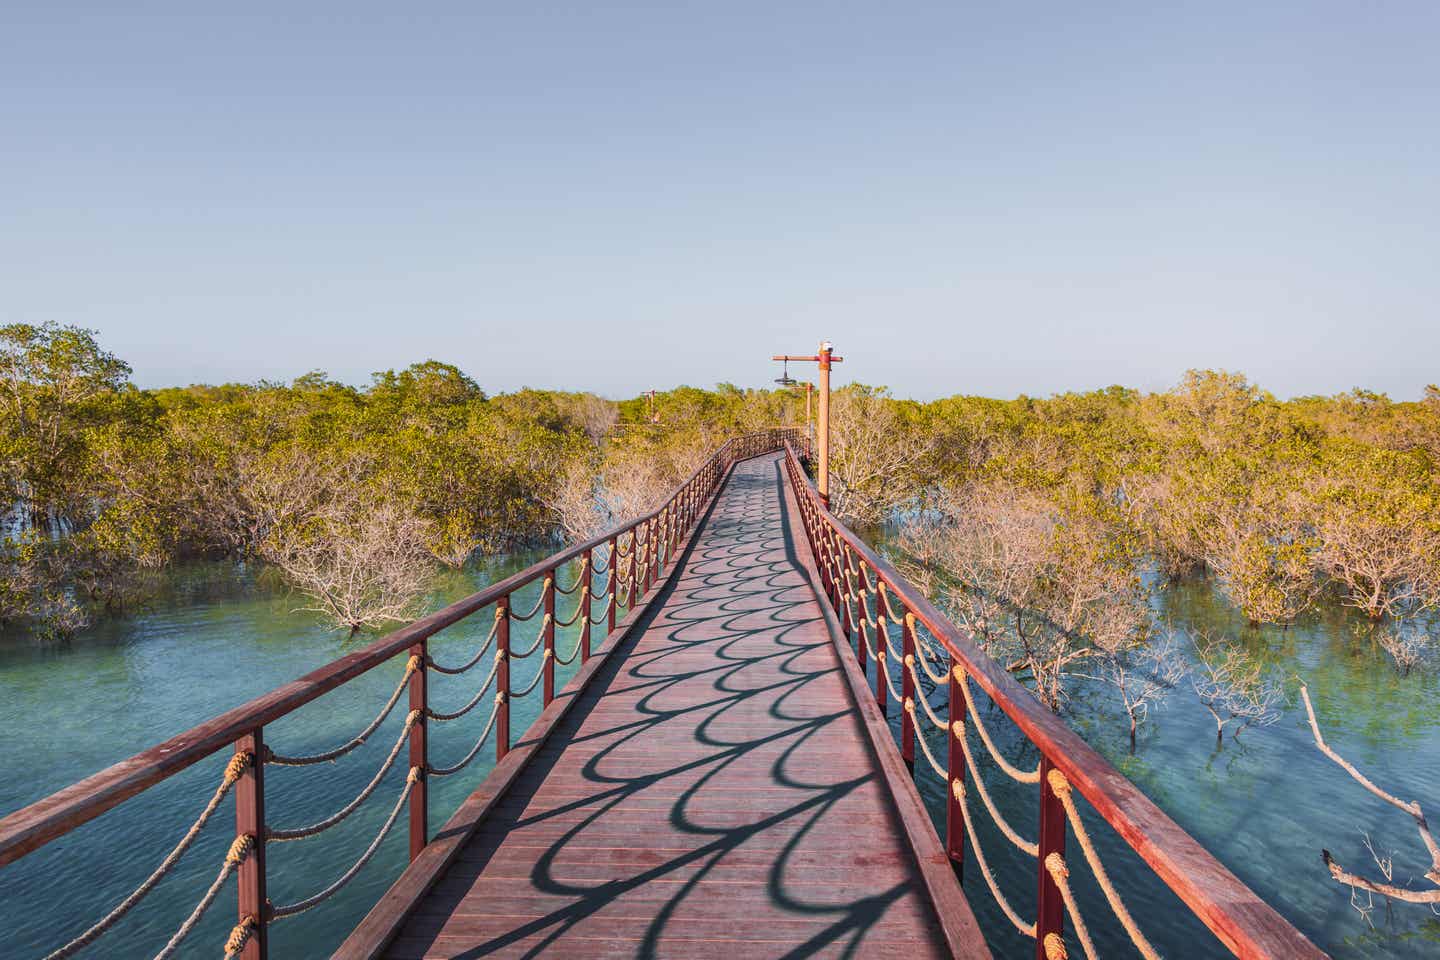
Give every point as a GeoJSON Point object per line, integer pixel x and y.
{"type": "Point", "coordinates": [633, 557]}
{"type": "Point", "coordinates": [769, 589]}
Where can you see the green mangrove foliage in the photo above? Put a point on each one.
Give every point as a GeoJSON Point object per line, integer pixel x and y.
{"type": "Point", "coordinates": [1045, 525]}
{"type": "Point", "coordinates": [354, 494]}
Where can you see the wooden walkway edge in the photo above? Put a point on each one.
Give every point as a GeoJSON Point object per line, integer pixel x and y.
{"type": "Point", "coordinates": [716, 782]}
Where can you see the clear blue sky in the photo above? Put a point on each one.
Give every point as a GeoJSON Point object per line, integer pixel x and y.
{"type": "Point", "coordinates": [986, 198]}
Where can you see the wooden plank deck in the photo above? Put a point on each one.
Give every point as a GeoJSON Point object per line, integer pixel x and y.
{"type": "Point", "coordinates": [712, 792]}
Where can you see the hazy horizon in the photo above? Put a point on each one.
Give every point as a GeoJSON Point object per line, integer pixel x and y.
{"type": "Point", "coordinates": [795, 371]}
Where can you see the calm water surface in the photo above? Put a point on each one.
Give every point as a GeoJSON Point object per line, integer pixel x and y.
{"type": "Point", "coordinates": [223, 636]}
{"type": "Point", "coordinates": [1264, 805]}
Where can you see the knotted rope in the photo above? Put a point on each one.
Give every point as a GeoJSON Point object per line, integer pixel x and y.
{"type": "Point", "coordinates": [489, 679]}
{"type": "Point", "coordinates": [883, 660]}
{"type": "Point", "coordinates": [241, 848]}
{"type": "Point", "coordinates": [1010, 833]}
{"type": "Point", "coordinates": [484, 735]}
{"type": "Point", "coordinates": [1063, 792]}
{"type": "Point", "coordinates": [609, 585]}
{"type": "Point", "coordinates": [957, 787]}
{"type": "Point", "coordinates": [289, 910]}
{"type": "Point", "coordinates": [936, 676]}
{"type": "Point", "coordinates": [539, 639]}
{"type": "Point", "coordinates": [281, 760]}
{"type": "Point", "coordinates": [1055, 866]}
{"type": "Point", "coordinates": [239, 936]}
{"type": "Point", "coordinates": [234, 769]}
{"type": "Point", "coordinates": [581, 604]}
{"type": "Point", "coordinates": [924, 700]}
{"type": "Point", "coordinates": [489, 639]}
{"type": "Point", "coordinates": [584, 572]}
{"type": "Point", "coordinates": [301, 833]}
{"type": "Point", "coordinates": [549, 583]}
{"type": "Point", "coordinates": [579, 639]}
{"type": "Point", "coordinates": [1015, 773]}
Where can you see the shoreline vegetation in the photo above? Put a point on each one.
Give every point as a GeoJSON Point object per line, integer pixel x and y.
{"type": "Point", "coordinates": [1047, 527]}
{"type": "Point", "coordinates": [1068, 510]}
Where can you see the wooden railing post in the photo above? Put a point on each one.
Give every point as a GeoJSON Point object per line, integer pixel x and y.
{"type": "Point", "coordinates": [550, 587]}
{"type": "Point", "coordinates": [907, 693]}
{"type": "Point", "coordinates": [847, 590]}
{"type": "Point", "coordinates": [882, 647]}
{"type": "Point", "coordinates": [419, 827]}
{"type": "Point", "coordinates": [831, 561]}
{"type": "Point", "coordinates": [1050, 913]}
{"type": "Point", "coordinates": [644, 551]}
{"type": "Point", "coordinates": [502, 677]}
{"type": "Point", "coordinates": [633, 592]}
{"type": "Point", "coordinates": [585, 605]}
{"type": "Point", "coordinates": [955, 764]}
{"type": "Point", "coordinates": [250, 820]}
{"type": "Point", "coordinates": [613, 586]}
{"type": "Point", "coordinates": [652, 558]}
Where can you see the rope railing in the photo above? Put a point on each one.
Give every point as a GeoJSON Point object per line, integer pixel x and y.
{"type": "Point", "coordinates": [1061, 788]}
{"type": "Point", "coordinates": [300, 906]}
{"type": "Point", "coordinates": [440, 717]}
{"type": "Point", "coordinates": [535, 680]}
{"type": "Point", "coordinates": [239, 851]}
{"type": "Point", "coordinates": [579, 580]}
{"type": "Point", "coordinates": [534, 644]}
{"type": "Point", "coordinates": [620, 566]}
{"type": "Point", "coordinates": [475, 750]}
{"type": "Point", "coordinates": [579, 643]}
{"type": "Point", "coordinates": [484, 648]}
{"type": "Point", "coordinates": [1012, 771]}
{"type": "Point", "coordinates": [580, 606]}
{"type": "Point", "coordinates": [853, 577]}
{"type": "Point", "coordinates": [233, 770]}
{"type": "Point", "coordinates": [539, 603]}
{"type": "Point", "coordinates": [411, 665]}
{"type": "Point", "coordinates": [302, 833]}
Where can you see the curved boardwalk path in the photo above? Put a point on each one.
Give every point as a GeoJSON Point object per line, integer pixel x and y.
{"type": "Point", "coordinates": [712, 793]}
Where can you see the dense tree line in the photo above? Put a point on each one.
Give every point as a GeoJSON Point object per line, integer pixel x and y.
{"type": "Point", "coordinates": [1048, 525]}
{"type": "Point", "coordinates": [355, 493]}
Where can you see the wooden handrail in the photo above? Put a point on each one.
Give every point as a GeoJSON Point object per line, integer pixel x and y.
{"type": "Point", "coordinates": [1243, 922]}
{"type": "Point", "coordinates": [31, 827]}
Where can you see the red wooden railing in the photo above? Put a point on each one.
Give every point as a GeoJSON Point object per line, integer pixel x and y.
{"type": "Point", "coordinates": [641, 548]}
{"type": "Point", "coordinates": [859, 585]}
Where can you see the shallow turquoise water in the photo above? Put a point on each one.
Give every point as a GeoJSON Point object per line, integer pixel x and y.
{"type": "Point", "coordinates": [69, 711]}
{"type": "Point", "coordinates": [1264, 805]}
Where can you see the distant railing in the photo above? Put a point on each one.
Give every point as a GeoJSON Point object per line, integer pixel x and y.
{"type": "Point", "coordinates": [631, 557]}
{"type": "Point", "coordinates": [860, 586]}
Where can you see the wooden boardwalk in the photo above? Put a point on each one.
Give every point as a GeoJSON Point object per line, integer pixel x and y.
{"type": "Point", "coordinates": [713, 791]}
